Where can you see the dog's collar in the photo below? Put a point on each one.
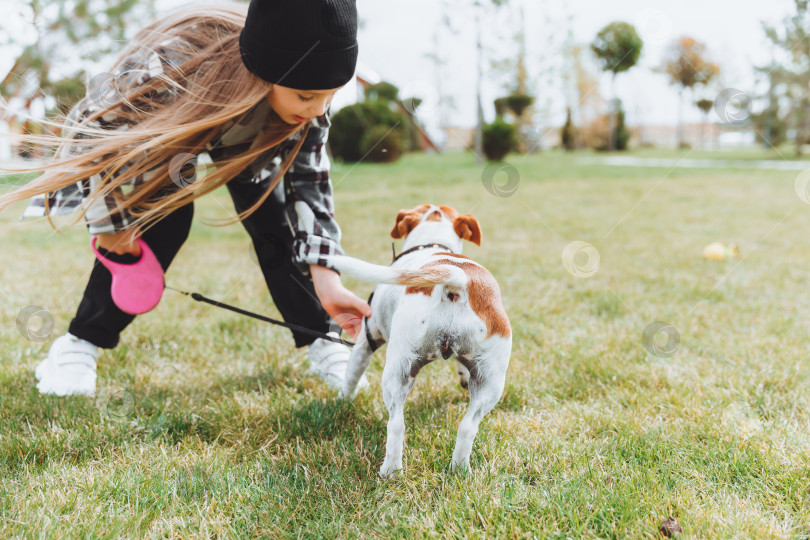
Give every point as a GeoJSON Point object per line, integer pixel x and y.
{"type": "Point", "coordinates": [417, 248]}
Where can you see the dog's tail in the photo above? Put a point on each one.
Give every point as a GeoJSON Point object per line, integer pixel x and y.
{"type": "Point", "coordinates": [375, 273]}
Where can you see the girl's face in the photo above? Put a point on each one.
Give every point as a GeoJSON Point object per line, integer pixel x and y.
{"type": "Point", "coordinates": [297, 106]}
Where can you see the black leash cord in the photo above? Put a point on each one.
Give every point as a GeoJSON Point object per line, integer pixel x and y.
{"type": "Point", "coordinates": [296, 327]}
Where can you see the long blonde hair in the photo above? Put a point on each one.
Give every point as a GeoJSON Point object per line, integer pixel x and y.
{"type": "Point", "coordinates": [212, 86]}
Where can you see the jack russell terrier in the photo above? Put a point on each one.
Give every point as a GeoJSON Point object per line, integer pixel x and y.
{"type": "Point", "coordinates": [432, 302]}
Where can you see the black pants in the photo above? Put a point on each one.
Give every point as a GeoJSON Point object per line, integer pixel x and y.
{"type": "Point", "coordinates": [99, 321]}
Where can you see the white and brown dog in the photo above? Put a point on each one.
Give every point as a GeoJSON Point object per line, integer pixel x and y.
{"type": "Point", "coordinates": [433, 302]}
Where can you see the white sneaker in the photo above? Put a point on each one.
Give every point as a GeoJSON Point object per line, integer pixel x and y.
{"type": "Point", "coordinates": [329, 360]}
{"type": "Point", "coordinates": [69, 369]}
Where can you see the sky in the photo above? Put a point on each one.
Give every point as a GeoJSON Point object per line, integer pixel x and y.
{"type": "Point", "coordinates": [396, 37]}
{"type": "Point", "coordinates": [731, 29]}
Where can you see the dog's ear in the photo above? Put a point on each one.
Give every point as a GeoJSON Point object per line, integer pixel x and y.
{"type": "Point", "coordinates": [467, 228]}
{"type": "Point", "coordinates": [406, 221]}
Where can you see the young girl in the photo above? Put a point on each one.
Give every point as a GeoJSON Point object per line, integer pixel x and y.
{"type": "Point", "coordinates": [249, 86]}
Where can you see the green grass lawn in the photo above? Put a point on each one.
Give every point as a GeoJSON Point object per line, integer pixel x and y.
{"type": "Point", "coordinates": [207, 423]}
{"type": "Point", "coordinates": [784, 152]}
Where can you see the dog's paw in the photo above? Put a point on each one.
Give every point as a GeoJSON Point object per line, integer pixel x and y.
{"type": "Point", "coordinates": [390, 469]}
{"type": "Point", "coordinates": [348, 394]}
{"type": "Point", "coordinates": [460, 466]}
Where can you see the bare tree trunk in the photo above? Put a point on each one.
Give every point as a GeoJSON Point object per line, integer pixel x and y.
{"type": "Point", "coordinates": [801, 132]}
{"type": "Point", "coordinates": [613, 119]}
{"type": "Point", "coordinates": [702, 125]}
{"type": "Point", "coordinates": [521, 121]}
{"type": "Point", "coordinates": [479, 126]}
{"type": "Point", "coordinates": [680, 118]}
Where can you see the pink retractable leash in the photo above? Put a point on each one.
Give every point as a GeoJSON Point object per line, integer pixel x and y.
{"type": "Point", "coordinates": [137, 287]}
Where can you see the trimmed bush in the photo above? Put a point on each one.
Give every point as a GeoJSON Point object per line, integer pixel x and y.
{"type": "Point", "coordinates": [518, 103]}
{"type": "Point", "coordinates": [381, 144]}
{"type": "Point", "coordinates": [621, 135]}
{"type": "Point", "coordinates": [569, 133]}
{"type": "Point", "coordinates": [382, 90]}
{"type": "Point", "coordinates": [500, 138]}
{"type": "Point", "coordinates": [350, 124]}
{"type": "Point", "coordinates": [501, 106]}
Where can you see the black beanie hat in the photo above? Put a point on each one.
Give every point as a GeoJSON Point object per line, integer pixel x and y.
{"type": "Point", "coordinates": [301, 44]}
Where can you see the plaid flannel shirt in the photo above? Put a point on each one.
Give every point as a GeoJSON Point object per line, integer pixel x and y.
{"type": "Point", "coordinates": [307, 185]}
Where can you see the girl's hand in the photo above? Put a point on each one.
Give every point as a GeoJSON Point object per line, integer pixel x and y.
{"type": "Point", "coordinates": [122, 242]}
{"type": "Point", "coordinates": [341, 304]}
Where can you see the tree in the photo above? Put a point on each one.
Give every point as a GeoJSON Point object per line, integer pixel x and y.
{"type": "Point", "coordinates": [771, 124]}
{"type": "Point", "coordinates": [436, 56]}
{"type": "Point", "coordinates": [770, 127]}
{"type": "Point", "coordinates": [480, 6]}
{"type": "Point", "coordinates": [618, 48]}
{"type": "Point", "coordinates": [620, 135]}
{"type": "Point", "coordinates": [67, 34]}
{"type": "Point", "coordinates": [705, 105]}
{"type": "Point", "coordinates": [480, 10]}
{"type": "Point", "coordinates": [792, 73]}
{"type": "Point", "coordinates": [581, 85]}
{"type": "Point", "coordinates": [67, 31]}
{"type": "Point", "coordinates": [686, 64]}
{"type": "Point", "coordinates": [518, 101]}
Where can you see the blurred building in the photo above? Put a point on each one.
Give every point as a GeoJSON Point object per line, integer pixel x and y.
{"type": "Point", "coordinates": [707, 136]}
{"type": "Point", "coordinates": [355, 91]}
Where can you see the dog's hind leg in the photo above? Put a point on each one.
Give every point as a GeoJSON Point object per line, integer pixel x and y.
{"type": "Point", "coordinates": [397, 382]}
{"type": "Point", "coordinates": [487, 379]}
{"type": "Point", "coordinates": [358, 363]}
